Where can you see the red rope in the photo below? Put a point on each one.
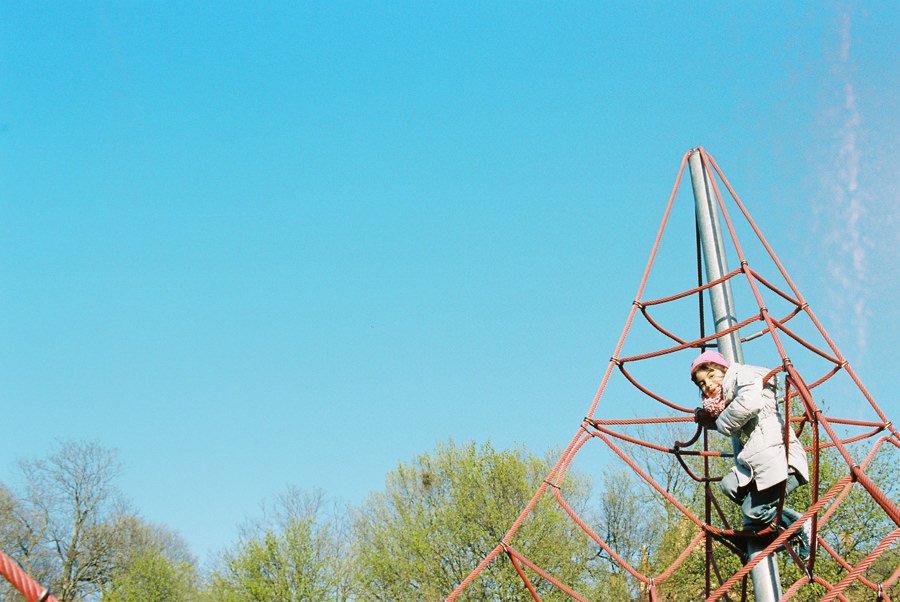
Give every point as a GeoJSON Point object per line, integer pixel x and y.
{"type": "Point", "coordinates": [862, 566]}
{"type": "Point", "coordinates": [30, 589]}
{"type": "Point", "coordinates": [798, 304]}
{"type": "Point", "coordinates": [546, 575]}
{"type": "Point", "coordinates": [523, 576]}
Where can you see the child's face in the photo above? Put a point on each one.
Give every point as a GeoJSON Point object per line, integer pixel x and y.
{"type": "Point", "coordinates": [709, 380]}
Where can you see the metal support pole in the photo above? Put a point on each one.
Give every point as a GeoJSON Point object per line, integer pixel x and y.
{"type": "Point", "coordinates": [766, 580]}
{"type": "Point", "coordinates": [714, 259]}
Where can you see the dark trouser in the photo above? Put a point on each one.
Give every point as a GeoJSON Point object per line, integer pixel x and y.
{"type": "Point", "coordinates": [759, 508]}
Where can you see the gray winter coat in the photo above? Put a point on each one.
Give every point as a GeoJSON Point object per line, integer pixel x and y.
{"type": "Point", "coordinates": [752, 414]}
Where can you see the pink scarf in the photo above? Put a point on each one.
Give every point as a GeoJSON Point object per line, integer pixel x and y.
{"type": "Point", "coordinates": [714, 405]}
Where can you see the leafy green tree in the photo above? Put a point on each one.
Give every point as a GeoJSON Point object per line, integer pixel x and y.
{"type": "Point", "coordinates": [150, 564]}
{"type": "Point", "coordinates": [629, 525]}
{"type": "Point", "coordinates": [151, 577]}
{"type": "Point", "coordinates": [293, 553]}
{"type": "Point", "coordinates": [442, 513]}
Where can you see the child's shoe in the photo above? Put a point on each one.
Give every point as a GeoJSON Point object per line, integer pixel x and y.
{"type": "Point", "coordinates": [801, 540]}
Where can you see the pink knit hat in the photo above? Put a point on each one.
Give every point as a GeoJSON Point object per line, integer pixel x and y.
{"type": "Point", "coordinates": [713, 357]}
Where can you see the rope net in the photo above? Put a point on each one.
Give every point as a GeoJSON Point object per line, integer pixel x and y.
{"type": "Point", "coordinates": [779, 330]}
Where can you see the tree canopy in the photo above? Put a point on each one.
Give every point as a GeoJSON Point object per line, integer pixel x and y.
{"type": "Point", "coordinates": [441, 513]}
{"type": "Point", "coordinates": [437, 517]}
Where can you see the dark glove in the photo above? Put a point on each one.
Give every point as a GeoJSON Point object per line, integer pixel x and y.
{"type": "Point", "coordinates": [705, 418]}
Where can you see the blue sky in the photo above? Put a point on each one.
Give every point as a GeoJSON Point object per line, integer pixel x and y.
{"type": "Point", "coordinates": [252, 246]}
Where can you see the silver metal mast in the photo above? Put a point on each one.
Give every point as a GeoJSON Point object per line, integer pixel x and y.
{"type": "Point", "coordinates": [713, 245]}
{"type": "Point", "coordinates": [766, 580]}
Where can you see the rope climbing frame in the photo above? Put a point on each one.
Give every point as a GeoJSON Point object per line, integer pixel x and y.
{"type": "Point", "coordinates": [792, 327]}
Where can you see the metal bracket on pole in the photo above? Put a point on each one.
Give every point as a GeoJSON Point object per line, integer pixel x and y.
{"type": "Point", "coordinates": [766, 580]}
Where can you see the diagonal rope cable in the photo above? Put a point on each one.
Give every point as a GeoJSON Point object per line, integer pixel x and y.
{"type": "Point", "coordinates": [30, 589]}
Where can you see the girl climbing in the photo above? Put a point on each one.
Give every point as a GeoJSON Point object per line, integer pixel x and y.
{"type": "Point", "coordinates": [736, 402]}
